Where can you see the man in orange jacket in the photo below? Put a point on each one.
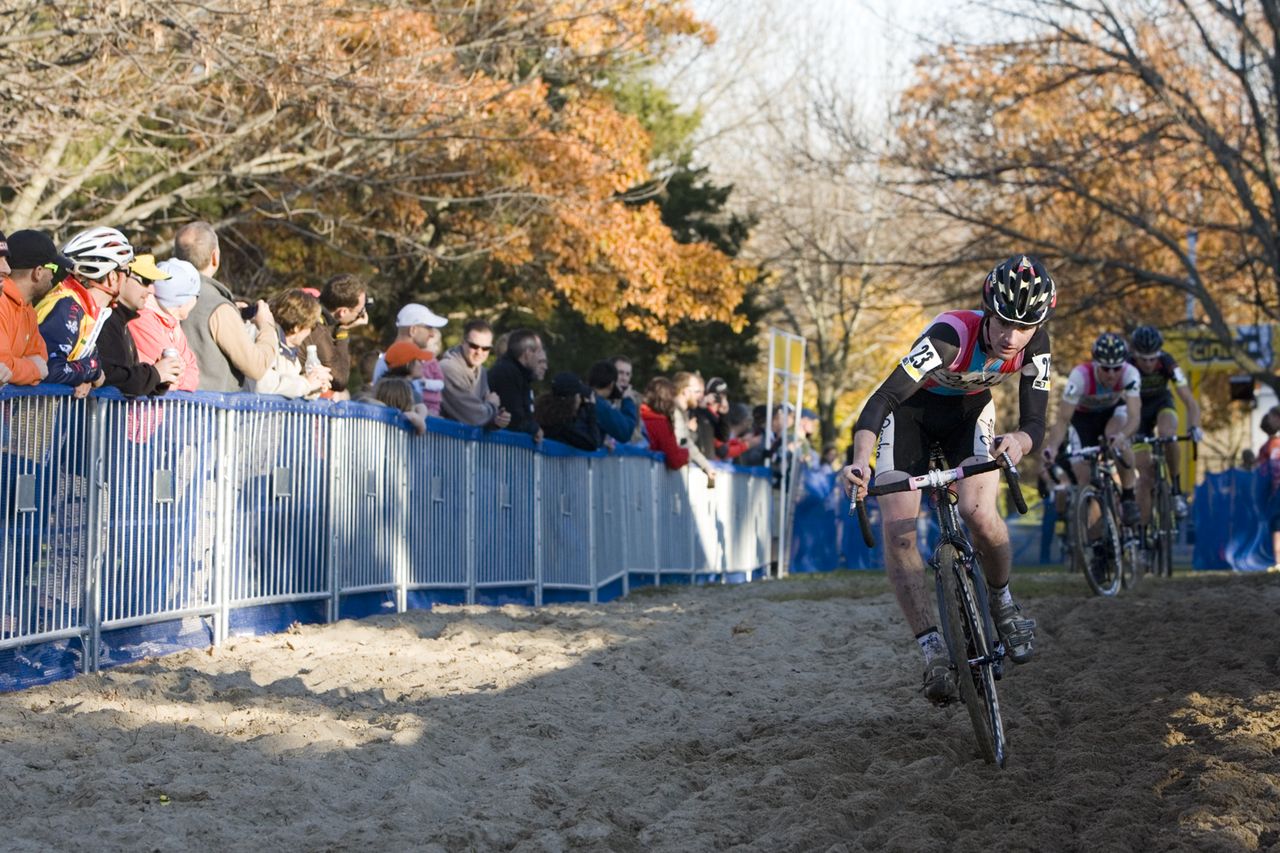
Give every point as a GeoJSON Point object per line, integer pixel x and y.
{"type": "Point", "coordinates": [28, 262]}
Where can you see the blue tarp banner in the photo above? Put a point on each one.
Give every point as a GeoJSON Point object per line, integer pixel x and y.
{"type": "Point", "coordinates": [824, 537]}
{"type": "Point", "coordinates": [1230, 512]}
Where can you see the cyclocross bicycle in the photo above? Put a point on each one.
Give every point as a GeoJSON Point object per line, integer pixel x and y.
{"type": "Point", "coordinates": [1105, 547]}
{"type": "Point", "coordinates": [1163, 530]}
{"type": "Point", "coordinates": [976, 650]}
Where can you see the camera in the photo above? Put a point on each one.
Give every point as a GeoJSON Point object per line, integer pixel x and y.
{"type": "Point", "coordinates": [250, 311]}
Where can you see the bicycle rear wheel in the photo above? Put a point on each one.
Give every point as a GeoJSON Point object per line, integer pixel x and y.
{"type": "Point", "coordinates": [964, 628]}
{"type": "Point", "coordinates": [1166, 526]}
{"type": "Point", "coordinates": [1098, 540]}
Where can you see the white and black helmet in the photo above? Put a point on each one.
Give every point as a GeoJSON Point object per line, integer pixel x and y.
{"type": "Point", "coordinates": [1020, 290]}
{"type": "Point", "coordinates": [96, 252]}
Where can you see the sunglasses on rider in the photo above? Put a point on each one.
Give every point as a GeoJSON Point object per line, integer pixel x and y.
{"type": "Point", "coordinates": [1110, 368]}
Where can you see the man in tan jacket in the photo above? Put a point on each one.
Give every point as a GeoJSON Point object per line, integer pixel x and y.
{"type": "Point", "coordinates": [225, 351]}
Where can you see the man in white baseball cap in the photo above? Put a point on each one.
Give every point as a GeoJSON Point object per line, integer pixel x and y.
{"type": "Point", "coordinates": [414, 323]}
{"type": "Point", "coordinates": [415, 314]}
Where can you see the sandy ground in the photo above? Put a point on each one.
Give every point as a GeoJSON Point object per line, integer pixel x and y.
{"type": "Point", "coordinates": [780, 716]}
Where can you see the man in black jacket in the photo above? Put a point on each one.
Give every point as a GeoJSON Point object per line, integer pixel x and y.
{"type": "Point", "coordinates": [512, 377]}
{"type": "Point", "coordinates": [116, 349]}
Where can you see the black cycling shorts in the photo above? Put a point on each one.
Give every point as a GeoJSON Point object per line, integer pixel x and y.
{"type": "Point", "coordinates": [1151, 409]}
{"type": "Point", "coordinates": [961, 424]}
{"type": "Point", "coordinates": [1090, 426]}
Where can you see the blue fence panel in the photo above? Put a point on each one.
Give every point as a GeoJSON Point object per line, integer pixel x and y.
{"type": "Point", "coordinates": [610, 508]}
{"type": "Point", "coordinates": [439, 526]}
{"type": "Point", "coordinates": [706, 556]}
{"type": "Point", "coordinates": [44, 512]}
{"type": "Point", "coordinates": [675, 523]}
{"type": "Point", "coordinates": [160, 466]}
{"type": "Point", "coordinates": [366, 504]}
{"type": "Point", "coordinates": [565, 505]}
{"type": "Point", "coordinates": [280, 504]}
{"type": "Point", "coordinates": [639, 528]}
{"type": "Point", "coordinates": [505, 519]}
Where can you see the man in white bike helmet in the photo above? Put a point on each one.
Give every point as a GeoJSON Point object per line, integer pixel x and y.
{"type": "Point", "coordinates": [940, 393]}
{"type": "Point", "coordinates": [1101, 404]}
{"type": "Point", "coordinates": [72, 315]}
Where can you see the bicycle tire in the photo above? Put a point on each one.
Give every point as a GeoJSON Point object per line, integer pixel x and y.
{"type": "Point", "coordinates": [966, 637]}
{"type": "Point", "coordinates": [1102, 566]}
{"type": "Point", "coordinates": [1166, 528]}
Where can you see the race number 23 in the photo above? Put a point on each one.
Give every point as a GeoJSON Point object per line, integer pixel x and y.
{"type": "Point", "coordinates": [922, 358]}
{"type": "Point", "coordinates": [1041, 363]}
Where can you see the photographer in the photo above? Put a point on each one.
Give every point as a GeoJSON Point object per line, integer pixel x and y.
{"type": "Point", "coordinates": [343, 307]}
{"type": "Point", "coordinates": [226, 352]}
{"type": "Point", "coordinates": [618, 423]}
{"type": "Point", "coordinates": [710, 414]}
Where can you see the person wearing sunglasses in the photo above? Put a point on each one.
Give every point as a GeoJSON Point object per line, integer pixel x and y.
{"type": "Point", "coordinates": [1159, 370]}
{"type": "Point", "coordinates": [74, 313]}
{"type": "Point", "coordinates": [1102, 402]}
{"type": "Point", "coordinates": [467, 398]}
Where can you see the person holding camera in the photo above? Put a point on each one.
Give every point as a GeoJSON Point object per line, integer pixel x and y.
{"type": "Point", "coordinates": [617, 423]}
{"type": "Point", "coordinates": [690, 390]}
{"type": "Point", "coordinates": [710, 413]}
{"type": "Point", "coordinates": [227, 353]}
{"type": "Point", "coordinates": [343, 306]}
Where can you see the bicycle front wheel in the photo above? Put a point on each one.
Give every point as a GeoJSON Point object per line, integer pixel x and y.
{"type": "Point", "coordinates": [1166, 527]}
{"type": "Point", "coordinates": [1098, 540]}
{"type": "Point", "coordinates": [964, 629]}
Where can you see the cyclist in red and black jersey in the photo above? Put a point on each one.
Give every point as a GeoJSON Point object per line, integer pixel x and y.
{"type": "Point", "coordinates": [940, 393]}
{"type": "Point", "coordinates": [1156, 369]}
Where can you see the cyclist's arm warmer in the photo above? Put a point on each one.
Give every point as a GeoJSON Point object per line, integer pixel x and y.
{"type": "Point", "coordinates": [899, 386]}
{"type": "Point", "coordinates": [1033, 402]}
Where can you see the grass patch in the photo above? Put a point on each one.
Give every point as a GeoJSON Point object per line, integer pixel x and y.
{"type": "Point", "coordinates": [827, 585]}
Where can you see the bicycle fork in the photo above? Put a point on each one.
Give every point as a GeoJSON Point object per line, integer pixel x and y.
{"type": "Point", "coordinates": [994, 653]}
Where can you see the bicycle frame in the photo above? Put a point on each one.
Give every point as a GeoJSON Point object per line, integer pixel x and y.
{"type": "Point", "coordinates": [1117, 539]}
{"type": "Point", "coordinates": [976, 650]}
{"type": "Point", "coordinates": [1163, 523]}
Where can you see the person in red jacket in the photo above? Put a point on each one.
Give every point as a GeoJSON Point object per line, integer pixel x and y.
{"type": "Point", "coordinates": [656, 412]}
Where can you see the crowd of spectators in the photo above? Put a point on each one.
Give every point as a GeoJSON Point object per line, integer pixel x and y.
{"type": "Point", "coordinates": [96, 313]}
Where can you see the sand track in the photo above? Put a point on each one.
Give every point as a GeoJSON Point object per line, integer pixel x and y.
{"type": "Point", "coordinates": [781, 716]}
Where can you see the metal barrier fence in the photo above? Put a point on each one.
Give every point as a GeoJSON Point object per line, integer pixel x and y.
{"type": "Point", "coordinates": [135, 527]}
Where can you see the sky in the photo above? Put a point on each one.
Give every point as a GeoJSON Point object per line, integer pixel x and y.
{"type": "Point", "coordinates": [771, 52]}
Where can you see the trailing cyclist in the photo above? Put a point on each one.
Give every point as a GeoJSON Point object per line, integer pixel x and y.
{"type": "Point", "coordinates": [1157, 369]}
{"type": "Point", "coordinates": [940, 394]}
{"type": "Point", "coordinates": [1101, 403]}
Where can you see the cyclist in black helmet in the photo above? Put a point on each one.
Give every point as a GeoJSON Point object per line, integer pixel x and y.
{"type": "Point", "coordinates": [1100, 403]}
{"type": "Point", "coordinates": [940, 393]}
{"type": "Point", "coordinates": [1157, 369]}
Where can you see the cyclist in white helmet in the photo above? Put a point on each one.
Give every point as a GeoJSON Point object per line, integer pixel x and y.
{"type": "Point", "coordinates": [72, 315]}
{"type": "Point", "coordinates": [1101, 403]}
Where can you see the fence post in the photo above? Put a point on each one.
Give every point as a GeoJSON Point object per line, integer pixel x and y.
{"type": "Point", "coordinates": [96, 523]}
{"type": "Point", "coordinates": [333, 607]}
{"type": "Point", "coordinates": [654, 473]}
{"type": "Point", "coordinates": [400, 554]}
{"type": "Point", "coordinates": [591, 530]}
{"type": "Point", "coordinates": [224, 520]}
{"type": "Point", "coordinates": [537, 529]}
{"type": "Point", "coordinates": [471, 521]}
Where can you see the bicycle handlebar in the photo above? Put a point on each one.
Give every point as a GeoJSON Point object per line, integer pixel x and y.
{"type": "Point", "coordinates": [1096, 450]}
{"type": "Point", "coordinates": [933, 481]}
{"type": "Point", "coordinates": [1169, 439]}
